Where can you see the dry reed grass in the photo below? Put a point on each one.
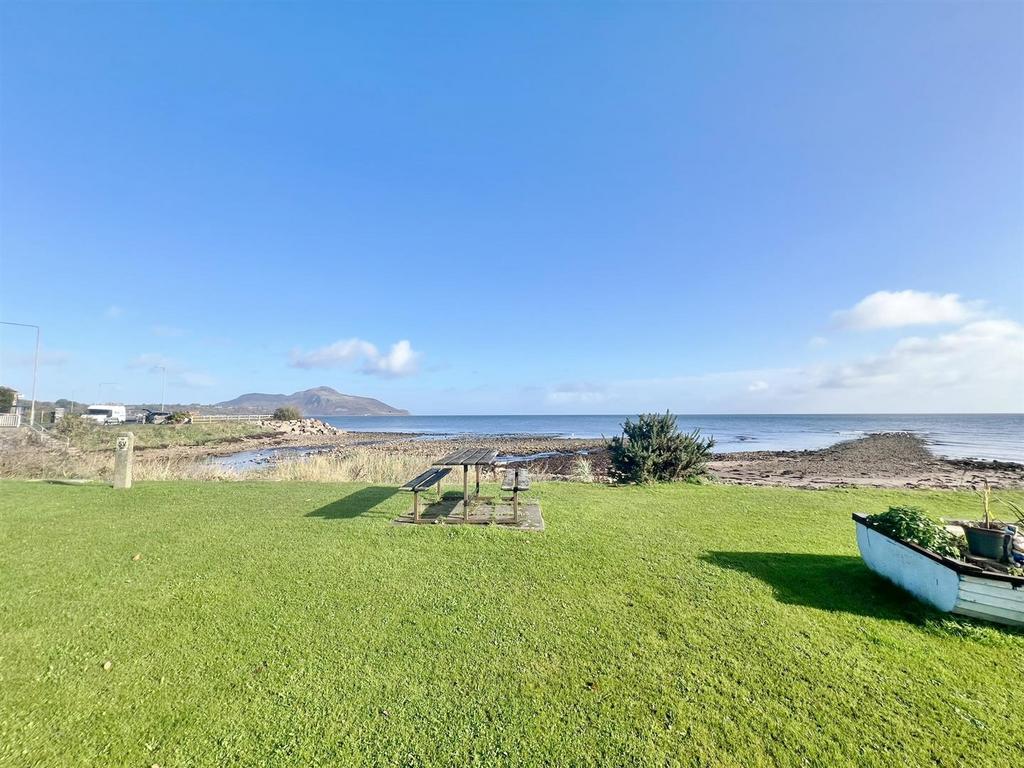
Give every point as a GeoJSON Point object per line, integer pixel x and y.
{"type": "Point", "coordinates": [362, 465]}
{"type": "Point", "coordinates": [92, 465]}
{"type": "Point", "coordinates": [42, 463]}
{"type": "Point", "coordinates": [181, 468]}
{"type": "Point", "coordinates": [582, 470]}
{"type": "Point", "coordinates": [377, 464]}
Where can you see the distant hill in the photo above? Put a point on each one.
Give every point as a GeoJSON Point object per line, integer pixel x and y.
{"type": "Point", "coordinates": [319, 401]}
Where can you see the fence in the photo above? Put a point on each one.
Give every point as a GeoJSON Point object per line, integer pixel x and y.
{"type": "Point", "coordinates": [200, 417]}
{"type": "Point", "coordinates": [10, 419]}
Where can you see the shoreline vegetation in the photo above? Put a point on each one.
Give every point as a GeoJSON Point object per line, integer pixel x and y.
{"type": "Point", "coordinates": [309, 449]}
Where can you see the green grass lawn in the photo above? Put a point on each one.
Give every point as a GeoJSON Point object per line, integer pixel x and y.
{"type": "Point", "coordinates": [166, 435]}
{"type": "Point", "coordinates": [294, 625]}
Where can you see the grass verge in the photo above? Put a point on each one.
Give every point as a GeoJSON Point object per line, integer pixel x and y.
{"type": "Point", "coordinates": [291, 624]}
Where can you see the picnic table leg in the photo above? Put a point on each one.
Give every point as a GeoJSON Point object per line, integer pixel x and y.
{"type": "Point", "coordinates": [415, 506]}
{"type": "Point", "coordinates": [439, 494]}
{"type": "Point", "coordinates": [465, 492]}
{"type": "Point", "coordinates": [477, 479]}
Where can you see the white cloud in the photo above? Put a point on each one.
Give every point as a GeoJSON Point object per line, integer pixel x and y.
{"type": "Point", "coordinates": [167, 331]}
{"type": "Point", "coordinates": [113, 311]}
{"type": "Point", "coordinates": [401, 360]}
{"type": "Point", "coordinates": [978, 367]}
{"type": "Point", "coordinates": [984, 359]}
{"type": "Point", "coordinates": [896, 309]}
{"type": "Point", "coordinates": [577, 393]}
{"type": "Point", "coordinates": [816, 342]}
{"type": "Point", "coordinates": [333, 355]}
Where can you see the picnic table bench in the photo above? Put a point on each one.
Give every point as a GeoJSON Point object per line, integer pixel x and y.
{"type": "Point", "coordinates": [516, 480]}
{"type": "Point", "coordinates": [422, 482]}
{"type": "Point", "coordinates": [466, 458]}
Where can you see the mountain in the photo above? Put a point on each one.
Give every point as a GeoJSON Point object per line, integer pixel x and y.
{"type": "Point", "coordinates": [319, 401]}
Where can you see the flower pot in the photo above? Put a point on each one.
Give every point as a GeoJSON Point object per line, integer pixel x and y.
{"type": "Point", "coordinates": [986, 542]}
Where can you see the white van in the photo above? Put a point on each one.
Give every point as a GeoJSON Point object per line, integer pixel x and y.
{"type": "Point", "coordinates": [106, 414]}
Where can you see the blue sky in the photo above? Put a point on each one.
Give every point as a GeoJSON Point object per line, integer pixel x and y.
{"type": "Point", "coordinates": [522, 208]}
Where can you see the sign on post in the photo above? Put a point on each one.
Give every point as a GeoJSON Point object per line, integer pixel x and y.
{"type": "Point", "coordinates": [124, 452]}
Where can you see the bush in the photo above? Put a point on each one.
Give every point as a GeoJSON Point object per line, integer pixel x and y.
{"type": "Point", "coordinates": [287, 413]}
{"type": "Point", "coordinates": [653, 449]}
{"type": "Point", "coordinates": [180, 417]}
{"type": "Point", "coordinates": [73, 426]}
{"type": "Point", "coordinates": [913, 525]}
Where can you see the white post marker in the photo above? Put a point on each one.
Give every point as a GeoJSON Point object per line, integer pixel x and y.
{"type": "Point", "coordinates": [124, 453]}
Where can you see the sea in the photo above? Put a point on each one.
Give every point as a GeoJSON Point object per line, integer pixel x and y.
{"type": "Point", "coordinates": [979, 436]}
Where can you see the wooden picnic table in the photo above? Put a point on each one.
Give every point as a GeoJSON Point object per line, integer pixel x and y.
{"type": "Point", "coordinates": [466, 458]}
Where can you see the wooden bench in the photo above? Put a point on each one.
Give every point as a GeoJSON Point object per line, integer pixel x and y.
{"type": "Point", "coordinates": [516, 480]}
{"type": "Point", "coordinates": [422, 482]}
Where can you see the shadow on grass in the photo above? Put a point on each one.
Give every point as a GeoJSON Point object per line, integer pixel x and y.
{"type": "Point", "coordinates": [828, 582]}
{"type": "Point", "coordinates": [354, 504]}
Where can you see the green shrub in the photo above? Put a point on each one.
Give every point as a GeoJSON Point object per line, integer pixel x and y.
{"type": "Point", "coordinates": [913, 525]}
{"type": "Point", "coordinates": [73, 426]}
{"type": "Point", "coordinates": [653, 449]}
{"type": "Point", "coordinates": [180, 417]}
{"type": "Point", "coordinates": [6, 399]}
{"type": "Point", "coordinates": [287, 413]}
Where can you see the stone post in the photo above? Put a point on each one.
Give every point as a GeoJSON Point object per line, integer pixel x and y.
{"type": "Point", "coordinates": [124, 452]}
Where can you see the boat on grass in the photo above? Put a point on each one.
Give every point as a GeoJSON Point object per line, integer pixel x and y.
{"type": "Point", "coordinates": [950, 585]}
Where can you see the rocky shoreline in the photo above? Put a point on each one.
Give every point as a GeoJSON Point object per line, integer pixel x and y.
{"type": "Point", "coordinates": [894, 460]}
{"type": "Point", "coordinates": [890, 460]}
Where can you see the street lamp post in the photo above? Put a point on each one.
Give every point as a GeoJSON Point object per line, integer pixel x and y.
{"type": "Point", "coordinates": [163, 388]}
{"type": "Point", "coordinates": [35, 368]}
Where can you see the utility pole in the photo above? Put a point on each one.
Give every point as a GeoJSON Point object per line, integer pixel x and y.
{"type": "Point", "coordinates": [35, 368]}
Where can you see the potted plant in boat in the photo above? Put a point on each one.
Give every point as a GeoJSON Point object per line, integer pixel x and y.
{"type": "Point", "coordinates": [989, 538]}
